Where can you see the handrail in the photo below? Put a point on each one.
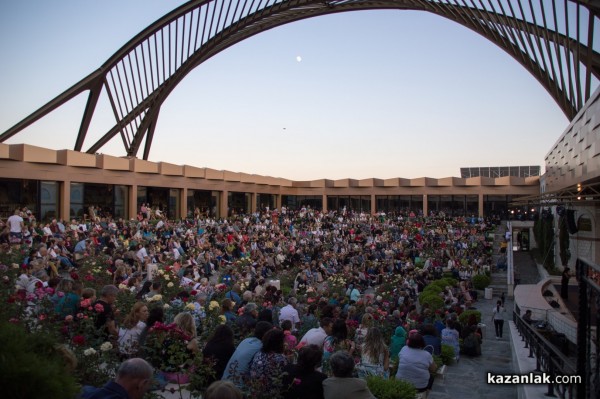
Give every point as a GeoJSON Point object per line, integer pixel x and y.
{"type": "Point", "coordinates": [548, 358]}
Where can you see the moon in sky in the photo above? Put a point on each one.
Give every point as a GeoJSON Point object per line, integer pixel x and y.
{"type": "Point", "coordinates": [299, 59]}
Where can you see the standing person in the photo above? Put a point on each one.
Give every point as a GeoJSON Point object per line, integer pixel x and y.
{"type": "Point", "coordinates": [564, 283]}
{"type": "Point", "coordinates": [498, 318]}
{"type": "Point", "coordinates": [16, 226]}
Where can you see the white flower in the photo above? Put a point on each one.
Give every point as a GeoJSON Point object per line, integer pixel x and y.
{"type": "Point", "coordinates": [15, 266]}
{"type": "Point", "coordinates": [122, 287]}
{"type": "Point", "coordinates": [155, 298]}
{"type": "Point", "coordinates": [170, 284]}
{"type": "Point", "coordinates": [167, 278]}
{"type": "Point", "coordinates": [89, 352]}
{"type": "Point", "coordinates": [161, 272]}
{"type": "Point", "coordinates": [190, 306]}
{"type": "Point", "coordinates": [213, 305]}
{"type": "Point", "coordinates": [166, 306]}
{"type": "Point", "coordinates": [106, 346]}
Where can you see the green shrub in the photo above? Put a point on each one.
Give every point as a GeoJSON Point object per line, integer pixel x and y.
{"type": "Point", "coordinates": [447, 354]}
{"type": "Point", "coordinates": [481, 281]}
{"type": "Point", "coordinates": [383, 388]}
{"type": "Point", "coordinates": [438, 361]}
{"type": "Point", "coordinates": [31, 367]}
{"type": "Point", "coordinates": [448, 281]}
{"type": "Point", "coordinates": [433, 300]}
{"type": "Point", "coordinates": [464, 316]}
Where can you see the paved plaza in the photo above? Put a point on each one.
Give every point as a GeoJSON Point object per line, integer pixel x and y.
{"type": "Point", "coordinates": [468, 377]}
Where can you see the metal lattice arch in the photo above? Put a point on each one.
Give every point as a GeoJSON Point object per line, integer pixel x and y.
{"type": "Point", "coordinates": [552, 39]}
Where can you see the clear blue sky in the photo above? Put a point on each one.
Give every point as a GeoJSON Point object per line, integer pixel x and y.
{"type": "Point", "coordinates": [377, 94]}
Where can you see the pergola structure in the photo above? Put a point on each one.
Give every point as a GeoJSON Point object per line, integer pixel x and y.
{"type": "Point", "coordinates": [581, 194]}
{"type": "Point", "coordinates": [552, 39]}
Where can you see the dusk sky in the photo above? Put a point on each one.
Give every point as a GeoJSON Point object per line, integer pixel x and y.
{"type": "Point", "coordinates": [354, 95]}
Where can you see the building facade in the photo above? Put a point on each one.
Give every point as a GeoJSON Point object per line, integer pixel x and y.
{"type": "Point", "coordinates": [66, 183]}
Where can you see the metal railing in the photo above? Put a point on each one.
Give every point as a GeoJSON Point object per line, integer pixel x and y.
{"type": "Point", "coordinates": [588, 327]}
{"type": "Point", "coordinates": [549, 359]}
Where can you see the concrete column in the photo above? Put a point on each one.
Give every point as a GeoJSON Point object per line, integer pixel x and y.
{"type": "Point", "coordinates": [324, 203]}
{"type": "Point", "coordinates": [223, 205]}
{"type": "Point", "coordinates": [184, 204]}
{"type": "Point", "coordinates": [65, 200]}
{"type": "Point", "coordinates": [253, 199]}
{"type": "Point", "coordinates": [480, 199]}
{"type": "Point", "coordinates": [278, 201]}
{"type": "Point", "coordinates": [133, 201]}
{"type": "Point", "coordinates": [425, 206]}
{"type": "Point", "coordinates": [373, 204]}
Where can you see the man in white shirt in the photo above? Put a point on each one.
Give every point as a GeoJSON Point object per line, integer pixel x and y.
{"type": "Point", "coordinates": [290, 313]}
{"type": "Point", "coordinates": [141, 253]}
{"type": "Point", "coordinates": [16, 225]}
{"type": "Point", "coordinates": [316, 336]}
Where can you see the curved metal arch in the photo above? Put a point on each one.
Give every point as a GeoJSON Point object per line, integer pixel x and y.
{"type": "Point", "coordinates": [140, 76]}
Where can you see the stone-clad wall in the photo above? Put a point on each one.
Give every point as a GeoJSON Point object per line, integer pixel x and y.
{"type": "Point", "coordinates": [574, 158]}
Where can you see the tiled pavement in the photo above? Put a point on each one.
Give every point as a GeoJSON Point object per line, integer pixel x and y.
{"type": "Point", "coordinates": [468, 378]}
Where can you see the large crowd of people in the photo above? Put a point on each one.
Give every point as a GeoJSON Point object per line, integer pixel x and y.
{"type": "Point", "coordinates": [300, 293]}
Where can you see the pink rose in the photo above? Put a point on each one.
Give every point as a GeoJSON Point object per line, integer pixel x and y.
{"type": "Point", "coordinates": [99, 308]}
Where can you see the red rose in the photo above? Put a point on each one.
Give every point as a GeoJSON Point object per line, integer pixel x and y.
{"type": "Point", "coordinates": [79, 340]}
{"type": "Point", "coordinates": [75, 276]}
{"type": "Point", "coordinates": [39, 284]}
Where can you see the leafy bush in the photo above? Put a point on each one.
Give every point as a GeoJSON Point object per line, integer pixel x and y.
{"type": "Point", "coordinates": [447, 354]}
{"type": "Point", "coordinates": [31, 366]}
{"type": "Point", "coordinates": [383, 388]}
{"type": "Point", "coordinates": [481, 281]}
{"type": "Point", "coordinates": [433, 300]}
{"type": "Point", "coordinates": [464, 316]}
